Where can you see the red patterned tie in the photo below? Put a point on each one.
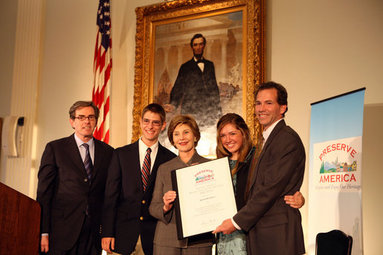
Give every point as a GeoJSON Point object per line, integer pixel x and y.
{"type": "Point", "coordinates": [145, 171]}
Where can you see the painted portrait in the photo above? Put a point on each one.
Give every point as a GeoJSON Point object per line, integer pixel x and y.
{"type": "Point", "coordinates": [207, 90]}
{"type": "Point", "coordinates": [198, 61]}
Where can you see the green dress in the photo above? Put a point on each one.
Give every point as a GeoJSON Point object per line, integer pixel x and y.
{"type": "Point", "coordinates": [234, 243]}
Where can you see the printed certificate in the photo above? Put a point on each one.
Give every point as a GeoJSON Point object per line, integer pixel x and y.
{"type": "Point", "coordinates": [205, 197]}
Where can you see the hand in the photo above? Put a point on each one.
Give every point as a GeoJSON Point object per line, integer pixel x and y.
{"type": "Point", "coordinates": [295, 201]}
{"type": "Point", "coordinates": [168, 199]}
{"type": "Point", "coordinates": [169, 108]}
{"type": "Point", "coordinates": [44, 243]}
{"type": "Point", "coordinates": [226, 227]}
{"type": "Point", "coordinates": [107, 244]}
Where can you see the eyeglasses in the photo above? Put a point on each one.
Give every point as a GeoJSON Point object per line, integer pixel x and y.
{"type": "Point", "coordinates": [82, 117]}
{"type": "Point", "coordinates": [155, 123]}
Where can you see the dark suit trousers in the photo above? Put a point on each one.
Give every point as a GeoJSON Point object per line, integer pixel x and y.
{"type": "Point", "coordinates": [85, 244]}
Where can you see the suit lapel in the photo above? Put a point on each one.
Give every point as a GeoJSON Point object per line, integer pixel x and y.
{"type": "Point", "coordinates": [134, 157]}
{"type": "Point", "coordinates": [75, 155]}
{"type": "Point", "coordinates": [97, 157]}
{"type": "Point", "coordinates": [159, 160]}
{"type": "Point", "coordinates": [195, 66]}
{"type": "Point", "coordinates": [274, 133]}
{"type": "Point", "coordinates": [269, 140]}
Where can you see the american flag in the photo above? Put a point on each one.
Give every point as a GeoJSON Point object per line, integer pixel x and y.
{"type": "Point", "coordinates": [102, 67]}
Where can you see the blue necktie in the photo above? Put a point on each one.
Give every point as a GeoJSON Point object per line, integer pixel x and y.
{"type": "Point", "coordinates": [88, 161]}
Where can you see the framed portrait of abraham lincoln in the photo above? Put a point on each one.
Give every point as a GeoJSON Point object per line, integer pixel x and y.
{"type": "Point", "coordinates": [204, 58]}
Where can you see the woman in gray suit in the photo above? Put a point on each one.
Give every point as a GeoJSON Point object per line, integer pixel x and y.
{"type": "Point", "coordinates": [183, 133]}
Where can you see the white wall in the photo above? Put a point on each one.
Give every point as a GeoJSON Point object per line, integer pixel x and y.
{"type": "Point", "coordinates": [67, 65]}
{"type": "Point", "coordinates": [8, 28]}
{"type": "Point", "coordinates": [317, 49]}
{"type": "Point", "coordinates": [19, 172]}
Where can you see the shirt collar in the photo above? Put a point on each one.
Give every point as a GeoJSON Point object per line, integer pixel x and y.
{"type": "Point", "coordinates": [195, 59]}
{"type": "Point", "coordinates": [79, 142]}
{"type": "Point", "coordinates": [144, 147]}
{"type": "Point", "coordinates": [268, 131]}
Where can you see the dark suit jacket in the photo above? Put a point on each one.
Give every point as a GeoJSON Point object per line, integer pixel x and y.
{"type": "Point", "coordinates": [197, 92]}
{"type": "Point", "coordinates": [242, 176]}
{"type": "Point", "coordinates": [125, 214]}
{"type": "Point", "coordinates": [274, 227]}
{"type": "Point", "coordinates": [65, 193]}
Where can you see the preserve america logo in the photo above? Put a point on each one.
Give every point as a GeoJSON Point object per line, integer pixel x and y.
{"type": "Point", "coordinates": [337, 163]}
{"type": "Point", "coordinates": [204, 176]}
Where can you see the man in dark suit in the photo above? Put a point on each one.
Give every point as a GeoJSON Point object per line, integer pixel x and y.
{"type": "Point", "coordinates": [71, 186]}
{"type": "Point", "coordinates": [273, 226]}
{"type": "Point", "coordinates": [127, 225]}
{"type": "Point", "coordinates": [195, 90]}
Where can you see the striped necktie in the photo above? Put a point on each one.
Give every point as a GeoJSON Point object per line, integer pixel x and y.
{"type": "Point", "coordinates": [88, 161]}
{"type": "Point", "coordinates": [145, 171]}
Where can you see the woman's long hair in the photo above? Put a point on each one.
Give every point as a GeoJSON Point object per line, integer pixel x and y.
{"type": "Point", "coordinates": [247, 144]}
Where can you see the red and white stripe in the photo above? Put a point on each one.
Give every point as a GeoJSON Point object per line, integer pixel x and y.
{"type": "Point", "coordinates": [102, 67]}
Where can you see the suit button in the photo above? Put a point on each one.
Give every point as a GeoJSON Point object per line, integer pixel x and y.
{"type": "Point", "coordinates": [141, 218]}
{"type": "Point", "coordinates": [85, 180]}
{"type": "Point", "coordinates": [143, 201]}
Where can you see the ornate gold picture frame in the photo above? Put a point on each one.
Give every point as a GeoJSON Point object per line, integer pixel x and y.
{"type": "Point", "coordinates": [234, 32]}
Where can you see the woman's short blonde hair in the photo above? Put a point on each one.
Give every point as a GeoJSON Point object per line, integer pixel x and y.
{"type": "Point", "coordinates": [186, 120]}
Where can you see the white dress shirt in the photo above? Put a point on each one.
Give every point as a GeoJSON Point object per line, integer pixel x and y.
{"type": "Point", "coordinates": [142, 147]}
{"type": "Point", "coordinates": [82, 149]}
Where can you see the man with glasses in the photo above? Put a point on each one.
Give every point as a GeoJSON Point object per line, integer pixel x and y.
{"type": "Point", "coordinates": [71, 184]}
{"type": "Point", "coordinates": [127, 226]}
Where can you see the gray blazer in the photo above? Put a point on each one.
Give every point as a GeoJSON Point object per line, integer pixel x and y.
{"type": "Point", "coordinates": [166, 230]}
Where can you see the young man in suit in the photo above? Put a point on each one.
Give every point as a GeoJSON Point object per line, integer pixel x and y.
{"type": "Point", "coordinates": [71, 184]}
{"type": "Point", "coordinates": [127, 225]}
{"type": "Point", "coordinates": [273, 227]}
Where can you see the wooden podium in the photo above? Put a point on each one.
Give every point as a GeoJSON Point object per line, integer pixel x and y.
{"type": "Point", "coordinates": [19, 223]}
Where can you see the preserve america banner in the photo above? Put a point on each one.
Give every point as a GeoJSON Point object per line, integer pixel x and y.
{"type": "Point", "coordinates": [335, 168]}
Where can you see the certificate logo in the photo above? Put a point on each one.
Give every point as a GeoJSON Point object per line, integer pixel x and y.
{"type": "Point", "coordinates": [204, 176]}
